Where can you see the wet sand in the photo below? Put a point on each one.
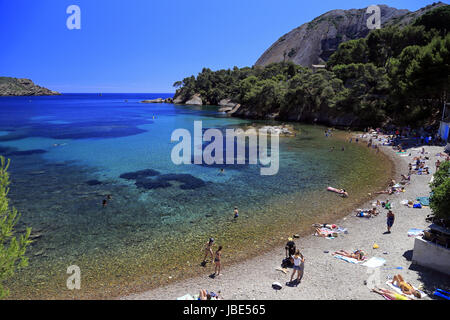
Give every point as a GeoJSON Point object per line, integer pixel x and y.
{"type": "Point", "coordinates": [326, 277]}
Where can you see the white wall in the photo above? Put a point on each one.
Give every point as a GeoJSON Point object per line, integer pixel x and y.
{"type": "Point", "coordinates": [431, 255]}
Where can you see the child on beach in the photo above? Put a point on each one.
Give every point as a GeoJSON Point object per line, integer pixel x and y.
{"type": "Point", "coordinates": [299, 266]}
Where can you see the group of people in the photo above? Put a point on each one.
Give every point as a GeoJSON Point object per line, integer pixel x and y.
{"type": "Point", "coordinates": [215, 256]}
{"type": "Point", "coordinates": [297, 261]}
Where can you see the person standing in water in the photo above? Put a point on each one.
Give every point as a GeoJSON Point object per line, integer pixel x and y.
{"type": "Point", "coordinates": [217, 262]}
{"type": "Point", "coordinates": [236, 213]}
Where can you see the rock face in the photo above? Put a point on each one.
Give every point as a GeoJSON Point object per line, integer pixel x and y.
{"type": "Point", "coordinates": [226, 105]}
{"type": "Point", "coordinates": [178, 100]}
{"type": "Point", "coordinates": [195, 100]}
{"type": "Point", "coordinates": [22, 87]}
{"type": "Point", "coordinates": [314, 42]}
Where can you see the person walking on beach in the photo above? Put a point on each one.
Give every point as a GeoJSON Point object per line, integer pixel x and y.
{"type": "Point", "coordinates": [390, 220]}
{"type": "Point", "coordinates": [217, 262]}
{"type": "Point", "coordinates": [299, 266]}
{"type": "Point", "coordinates": [208, 250]}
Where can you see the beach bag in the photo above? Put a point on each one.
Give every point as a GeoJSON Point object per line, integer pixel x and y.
{"type": "Point", "coordinates": [286, 263]}
{"type": "Point", "coordinates": [417, 205]}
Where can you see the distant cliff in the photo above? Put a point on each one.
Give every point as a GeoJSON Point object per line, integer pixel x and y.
{"type": "Point", "coordinates": [22, 87]}
{"type": "Point", "coordinates": [314, 42]}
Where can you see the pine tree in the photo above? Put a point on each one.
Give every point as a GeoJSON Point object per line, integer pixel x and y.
{"type": "Point", "coordinates": [12, 249]}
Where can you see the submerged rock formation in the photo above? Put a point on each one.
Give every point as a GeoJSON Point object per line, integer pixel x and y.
{"type": "Point", "coordinates": [22, 87]}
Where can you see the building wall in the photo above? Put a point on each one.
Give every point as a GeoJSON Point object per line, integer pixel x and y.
{"type": "Point", "coordinates": [431, 255]}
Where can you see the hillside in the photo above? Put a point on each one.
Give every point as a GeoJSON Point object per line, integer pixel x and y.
{"type": "Point", "coordinates": [22, 87]}
{"type": "Point", "coordinates": [314, 42]}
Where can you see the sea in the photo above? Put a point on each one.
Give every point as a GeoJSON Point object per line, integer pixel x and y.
{"type": "Point", "coordinates": [71, 152]}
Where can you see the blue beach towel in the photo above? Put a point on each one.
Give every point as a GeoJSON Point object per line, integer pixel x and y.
{"type": "Point", "coordinates": [425, 201]}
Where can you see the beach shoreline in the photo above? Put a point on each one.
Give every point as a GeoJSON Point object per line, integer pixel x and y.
{"type": "Point", "coordinates": [326, 277]}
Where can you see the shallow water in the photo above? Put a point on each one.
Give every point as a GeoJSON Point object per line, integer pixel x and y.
{"type": "Point", "coordinates": [156, 229]}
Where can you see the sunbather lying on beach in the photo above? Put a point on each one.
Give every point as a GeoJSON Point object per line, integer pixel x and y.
{"type": "Point", "coordinates": [389, 294]}
{"type": "Point", "coordinates": [357, 254]}
{"type": "Point", "coordinates": [387, 191]}
{"type": "Point", "coordinates": [406, 287]}
{"type": "Point", "coordinates": [325, 232]}
{"type": "Point", "coordinates": [205, 295]}
{"type": "Point", "coordinates": [325, 225]}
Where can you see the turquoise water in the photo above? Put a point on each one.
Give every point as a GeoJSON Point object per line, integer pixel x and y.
{"type": "Point", "coordinates": [68, 152]}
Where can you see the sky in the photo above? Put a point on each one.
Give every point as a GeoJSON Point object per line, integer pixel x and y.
{"type": "Point", "coordinates": [145, 46]}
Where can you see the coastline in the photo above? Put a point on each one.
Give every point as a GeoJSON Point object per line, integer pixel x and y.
{"type": "Point", "coordinates": [326, 277]}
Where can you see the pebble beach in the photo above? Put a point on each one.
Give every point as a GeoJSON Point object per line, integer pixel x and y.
{"type": "Point", "coordinates": [326, 277]}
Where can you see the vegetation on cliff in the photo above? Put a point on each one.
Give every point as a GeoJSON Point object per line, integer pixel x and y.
{"type": "Point", "coordinates": [22, 87]}
{"type": "Point", "coordinates": [395, 74]}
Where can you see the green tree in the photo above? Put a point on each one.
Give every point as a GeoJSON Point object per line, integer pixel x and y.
{"type": "Point", "coordinates": [438, 19]}
{"type": "Point", "coordinates": [12, 249]}
{"type": "Point", "coordinates": [440, 199]}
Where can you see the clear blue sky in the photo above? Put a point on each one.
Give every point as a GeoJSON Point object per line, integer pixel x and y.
{"type": "Point", "coordinates": [146, 45]}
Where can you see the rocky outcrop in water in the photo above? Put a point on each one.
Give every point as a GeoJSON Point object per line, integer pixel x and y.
{"type": "Point", "coordinates": [158, 100]}
{"type": "Point", "coordinates": [22, 87]}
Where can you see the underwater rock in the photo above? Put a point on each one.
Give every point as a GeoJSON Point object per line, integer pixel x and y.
{"type": "Point", "coordinates": [139, 174]}
{"type": "Point", "coordinates": [187, 181]}
{"type": "Point", "coordinates": [26, 152]}
{"type": "Point", "coordinates": [152, 184]}
{"type": "Point", "coordinates": [93, 182]}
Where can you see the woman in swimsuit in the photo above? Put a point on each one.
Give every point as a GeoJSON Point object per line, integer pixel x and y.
{"type": "Point", "coordinates": [208, 249]}
{"type": "Point", "coordinates": [406, 287]}
{"type": "Point", "coordinates": [389, 294]}
{"type": "Point", "coordinates": [299, 265]}
{"type": "Point", "coordinates": [358, 254]}
{"type": "Point", "coordinates": [217, 261]}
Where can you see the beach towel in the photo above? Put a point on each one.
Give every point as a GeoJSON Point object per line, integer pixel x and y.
{"type": "Point", "coordinates": [374, 262]}
{"type": "Point", "coordinates": [425, 201]}
{"type": "Point", "coordinates": [186, 297]}
{"type": "Point", "coordinates": [413, 232]}
{"type": "Point", "coordinates": [325, 231]}
{"type": "Point", "coordinates": [351, 260]}
{"type": "Point", "coordinates": [398, 290]}
{"type": "Point", "coordinates": [441, 293]}
{"type": "Point", "coordinates": [341, 230]}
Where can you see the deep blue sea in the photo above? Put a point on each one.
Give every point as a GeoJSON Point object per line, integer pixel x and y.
{"type": "Point", "coordinates": [68, 153]}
